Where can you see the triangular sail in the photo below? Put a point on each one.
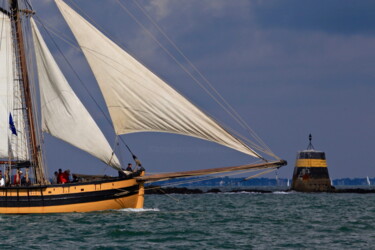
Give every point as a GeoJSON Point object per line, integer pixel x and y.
{"type": "Point", "coordinates": [13, 143]}
{"type": "Point", "coordinates": [137, 99]}
{"type": "Point", "coordinates": [63, 114]}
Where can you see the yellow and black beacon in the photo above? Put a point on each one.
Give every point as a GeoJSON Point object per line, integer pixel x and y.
{"type": "Point", "coordinates": [311, 172]}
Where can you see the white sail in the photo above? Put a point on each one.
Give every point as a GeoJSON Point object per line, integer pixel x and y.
{"type": "Point", "coordinates": [13, 145]}
{"type": "Point", "coordinates": [63, 114]}
{"type": "Point", "coordinates": [138, 100]}
{"type": "Point", "coordinates": [6, 77]}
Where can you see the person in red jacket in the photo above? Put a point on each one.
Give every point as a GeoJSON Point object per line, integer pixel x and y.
{"type": "Point", "coordinates": [17, 178]}
{"type": "Point", "coordinates": [63, 177]}
{"type": "Point", "coordinates": [66, 176]}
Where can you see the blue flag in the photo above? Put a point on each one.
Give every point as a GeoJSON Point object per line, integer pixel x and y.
{"type": "Point", "coordinates": [11, 125]}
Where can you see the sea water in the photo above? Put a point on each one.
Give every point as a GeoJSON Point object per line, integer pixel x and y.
{"type": "Point", "coordinates": [206, 221]}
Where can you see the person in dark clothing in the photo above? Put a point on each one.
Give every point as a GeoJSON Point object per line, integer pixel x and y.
{"type": "Point", "coordinates": [23, 181]}
{"type": "Point", "coordinates": [129, 168]}
{"type": "Point", "coordinates": [75, 178]}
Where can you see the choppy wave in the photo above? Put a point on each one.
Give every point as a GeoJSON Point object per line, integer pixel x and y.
{"type": "Point", "coordinates": [207, 221]}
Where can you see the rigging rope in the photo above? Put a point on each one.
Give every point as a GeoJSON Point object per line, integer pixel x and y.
{"type": "Point", "coordinates": [87, 90]}
{"type": "Point", "coordinates": [208, 178]}
{"type": "Point", "coordinates": [264, 148]}
{"type": "Point", "coordinates": [236, 114]}
{"type": "Point", "coordinates": [47, 29]}
{"type": "Point", "coordinates": [227, 107]}
{"type": "Point", "coordinates": [215, 176]}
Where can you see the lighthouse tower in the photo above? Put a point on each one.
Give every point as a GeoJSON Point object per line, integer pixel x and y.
{"type": "Point", "coordinates": [311, 172]}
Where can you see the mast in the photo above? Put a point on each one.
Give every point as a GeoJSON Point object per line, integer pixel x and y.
{"type": "Point", "coordinates": [20, 48]}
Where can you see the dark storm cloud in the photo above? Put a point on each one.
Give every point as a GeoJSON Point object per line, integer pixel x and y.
{"type": "Point", "coordinates": [346, 17]}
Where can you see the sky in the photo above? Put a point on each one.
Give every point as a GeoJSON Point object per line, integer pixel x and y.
{"type": "Point", "coordinates": [289, 68]}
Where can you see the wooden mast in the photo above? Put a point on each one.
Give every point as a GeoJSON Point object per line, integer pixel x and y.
{"type": "Point", "coordinates": [35, 159]}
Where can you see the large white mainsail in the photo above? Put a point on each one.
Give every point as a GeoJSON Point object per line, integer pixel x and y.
{"type": "Point", "coordinates": [63, 114]}
{"type": "Point", "coordinates": [13, 145]}
{"type": "Point", "coordinates": [137, 99]}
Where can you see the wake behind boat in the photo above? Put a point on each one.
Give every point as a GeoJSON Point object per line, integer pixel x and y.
{"type": "Point", "coordinates": [137, 101]}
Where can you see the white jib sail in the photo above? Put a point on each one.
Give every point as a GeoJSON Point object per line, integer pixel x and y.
{"type": "Point", "coordinates": [13, 145]}
{"type": "Point", "coordinates": [63, 114]}
{"type": "Point", "coordinates": [137, 99]}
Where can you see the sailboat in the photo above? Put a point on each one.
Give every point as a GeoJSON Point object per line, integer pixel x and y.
{"type": "Point", "coordinates": [368, 181]}
{"type": "Point", "coordinates": [137, 101]}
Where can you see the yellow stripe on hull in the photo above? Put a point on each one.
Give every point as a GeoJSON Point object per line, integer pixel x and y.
{"type": "Point", "coordinates": [125, 198]}
{"type": "Point", "coordinates": [311, 163]}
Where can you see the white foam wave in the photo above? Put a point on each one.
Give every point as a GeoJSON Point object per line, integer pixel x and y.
{"type": "Point", "coordinates": [243, 192]}
{"type": "Point", "coordinates": [138, 210]}
{"type": "Point", "coordinates": [280, 192]}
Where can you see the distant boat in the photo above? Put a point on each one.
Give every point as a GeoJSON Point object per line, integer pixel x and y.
{"type": "Point", "coordinates": [137, 101]}
{"type": "Point", "coordinates": [368, 181]}
{"type": "Point", "coordinates": [288, 184]}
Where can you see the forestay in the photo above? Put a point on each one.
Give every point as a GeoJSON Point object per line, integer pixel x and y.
{"type": "Point", "coordinates": [12, 145]}
{"type": "Point", "coordinates": [63, 114]}
{"type": "Point", "coordinates": [137, 99]}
